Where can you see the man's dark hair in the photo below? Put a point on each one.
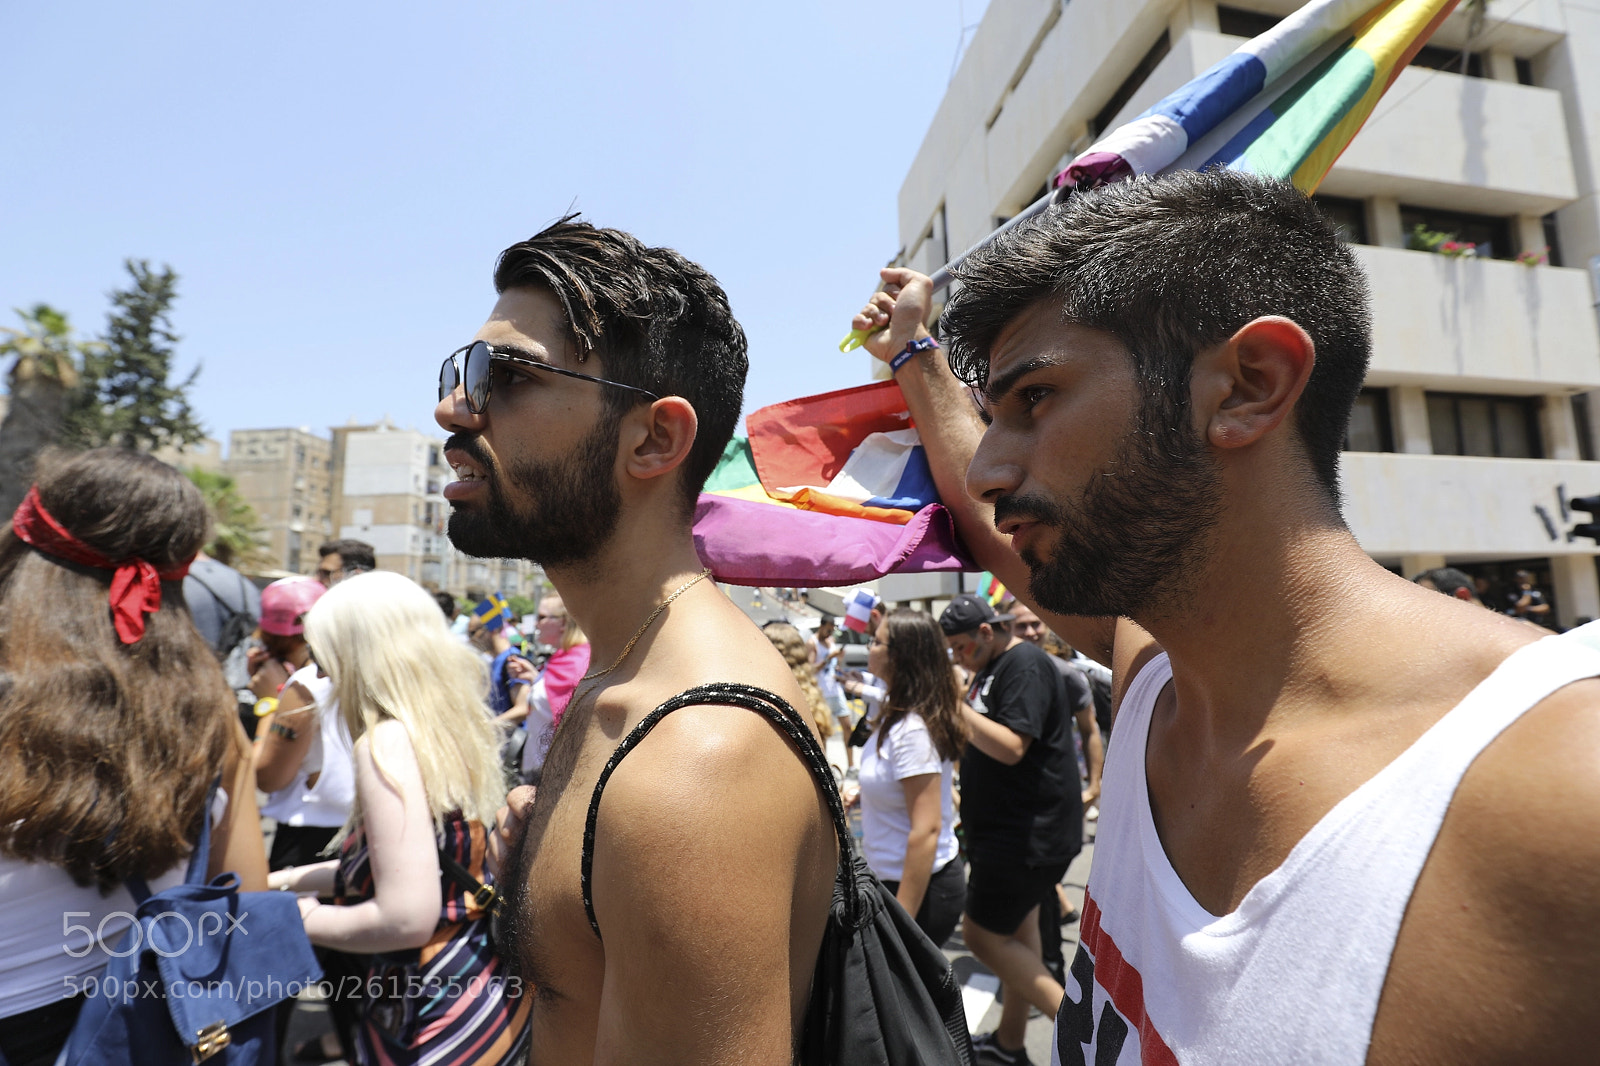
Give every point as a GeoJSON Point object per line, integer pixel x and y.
{"type": "Point", "coordinates": [1172, 265]}
{"type": "Point", "coordinates": [353, 554]}
{"type": "Point", "coordinates": [1447, 579]}
{"type": "Point", "coordinates": [447, 604]}
{"type": "Point", "coordinates": [658, 321]}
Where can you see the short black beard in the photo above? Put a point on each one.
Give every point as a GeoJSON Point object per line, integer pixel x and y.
{"type": "Point", "coordinates": [572, 511]}
{"type": "Point", "coordinates": [1134, 543]}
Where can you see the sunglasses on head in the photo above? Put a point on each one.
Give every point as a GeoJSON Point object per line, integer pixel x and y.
{"type": "Point", "coordinates": [469, 368]}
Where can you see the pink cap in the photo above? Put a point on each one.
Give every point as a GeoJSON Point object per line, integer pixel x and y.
{"type": "Point", "coordinates": [284, 601]}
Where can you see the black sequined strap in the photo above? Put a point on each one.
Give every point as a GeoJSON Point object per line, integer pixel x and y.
{"type": "Point", "coordinates": [777, 711]}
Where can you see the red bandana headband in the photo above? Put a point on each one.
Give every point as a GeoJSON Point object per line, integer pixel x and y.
{"type": "Point", "coordinates": [135, 586]}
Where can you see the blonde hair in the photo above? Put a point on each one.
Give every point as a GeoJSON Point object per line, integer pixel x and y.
{"type": "Point", "coordinates": [797, 653]}
{"type": "Point", "coordinates": [386, 646]}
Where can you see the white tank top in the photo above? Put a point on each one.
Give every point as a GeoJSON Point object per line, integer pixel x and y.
{"type": "Point", "coordinates": [326, 803]}
{"type": "Point", "coordinates": [1294, 974]}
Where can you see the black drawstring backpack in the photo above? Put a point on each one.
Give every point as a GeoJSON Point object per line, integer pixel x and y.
{"type": "Point", "coordinates": [883, 993]}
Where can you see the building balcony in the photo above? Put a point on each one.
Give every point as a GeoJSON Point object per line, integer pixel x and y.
{"type": "Point", "coordinates": [1469, 144]}
{"type": "Point", "coordinates": [1463, 507]}
{"type": "Point", "coordinates": [1482, 324]}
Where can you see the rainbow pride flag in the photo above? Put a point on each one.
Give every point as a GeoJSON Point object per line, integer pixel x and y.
{"type": "Point", "coordinates": [990, 588]}
{"type": "Point", "coordinates": [1285, 104]}
{"type": "Point", "coordinates": [825, 490]}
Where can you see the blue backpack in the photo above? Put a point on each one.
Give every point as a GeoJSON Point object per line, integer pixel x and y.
{"type": "Point", "coordinates": [197, 976]}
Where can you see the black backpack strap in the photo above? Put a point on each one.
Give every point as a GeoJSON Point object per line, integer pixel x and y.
{"type": "Point", "coordinates": [777, 711]}
{"type": "Point", "coordinates": [244, 599]}
{"type": "Point", "coordinates": [482, 895]}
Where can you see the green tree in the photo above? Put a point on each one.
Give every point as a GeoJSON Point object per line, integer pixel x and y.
{"type": "Point", "coordinates": [238, 538]}
{"type": "Point", "coordinates": [41, 380]}
{"type": "Point", "coordinates": [126, 398]}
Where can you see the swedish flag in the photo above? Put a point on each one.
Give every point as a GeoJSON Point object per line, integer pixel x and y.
{"type": "Point", "coordinates": [492, 611]}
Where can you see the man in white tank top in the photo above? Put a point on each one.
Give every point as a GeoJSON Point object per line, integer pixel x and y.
{"type": "Point", "coordinates": [1346, 819]}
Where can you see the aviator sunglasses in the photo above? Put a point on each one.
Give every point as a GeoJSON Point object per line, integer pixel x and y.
{"type": "Point", "coordinates": [469, 367]}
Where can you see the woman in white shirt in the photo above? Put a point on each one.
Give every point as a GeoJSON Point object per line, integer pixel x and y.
{"type": "Point", "coordinates": [115, 721]}
{"type": "Point", "coordinates": [907, 806]}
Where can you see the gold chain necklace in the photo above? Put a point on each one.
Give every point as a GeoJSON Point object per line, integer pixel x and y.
{"type": "Point", "coordinates": [662, 606]}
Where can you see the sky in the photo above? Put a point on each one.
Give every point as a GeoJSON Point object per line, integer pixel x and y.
{"type": "Point", "coordinates": [333, 181]}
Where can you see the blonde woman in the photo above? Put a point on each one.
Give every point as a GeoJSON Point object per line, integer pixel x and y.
{"type": "Point", "coordinates": [796, 651]}
{"type": "Point", "coordinates": [428, 781]}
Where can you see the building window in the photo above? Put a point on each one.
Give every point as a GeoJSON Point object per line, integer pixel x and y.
{"type": "Point", "coordinates": [1236, 22]}
{"type": "Point", "coordinates": [1489, 233]}
{"type": "Point", "coordinates": [1131, 84]}
{"type": "Point", "coordinates": [1449, 59]}
{"type": "Point", "coordinates": [1585, 429]}
{"type": "Point", "coordinates": [294, 552]}
{"type": "Point", "coordinates": [1349, 217]}
{"type": "Point", "coordinates": [1524, 71]}
{"type": "Point", "coordinates": [1506, 427]}
{"type": "Point", "coordinates": [1370, 429]}
{"type": "Point", "coordinates": [1552, 239]}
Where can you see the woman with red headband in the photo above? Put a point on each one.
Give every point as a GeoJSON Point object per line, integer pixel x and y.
{"type": "Point", "coordinates": [114, 722]}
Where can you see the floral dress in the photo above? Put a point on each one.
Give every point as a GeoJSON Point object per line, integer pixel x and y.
{"type": "Point", "coordinates": [451, 1002]}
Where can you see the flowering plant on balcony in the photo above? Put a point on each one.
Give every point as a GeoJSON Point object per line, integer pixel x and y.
{"type": "Point", "coordinates": [1533, 258]}
{"type": "Point", "coordinates": [1423, 239]}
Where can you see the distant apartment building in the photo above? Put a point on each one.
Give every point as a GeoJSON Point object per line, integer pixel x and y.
{"type": "Point", "coordinates": [204, 454]}
{"type": "Point", "coordinates": [1477, 422]}
{"type": "Point", "coordinates": [286, 475]}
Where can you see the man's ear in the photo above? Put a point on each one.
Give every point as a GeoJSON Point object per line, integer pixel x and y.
{"type": "Point", "coordinates": [1246, 386]}
{"type": "Point", "coordinates": [1462, 594]}
{"type": "Point", "coordinates": [658, 438]}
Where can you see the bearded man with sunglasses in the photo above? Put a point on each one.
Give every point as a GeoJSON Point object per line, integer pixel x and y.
{"type": "Point", "coordinates": [584, 418]}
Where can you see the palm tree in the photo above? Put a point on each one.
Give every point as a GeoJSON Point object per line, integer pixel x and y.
{"type": "Point", "coordinates": [40, 381]}
{"type": "Point", "coordinates": [236, 530]}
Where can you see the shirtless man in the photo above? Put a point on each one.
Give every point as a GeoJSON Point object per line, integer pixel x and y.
{"type": "Point", "coordinates": [1167, 368]}
{"type": "Point", "coordinates": [615, 374]}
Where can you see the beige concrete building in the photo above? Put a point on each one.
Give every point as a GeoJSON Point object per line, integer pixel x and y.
{"type": "Point", "coordinates": [286, 475]}
{"type": "Point", "coordinates": [1477, 422]}
{"type": "Point", "coordinates": [204, 454]}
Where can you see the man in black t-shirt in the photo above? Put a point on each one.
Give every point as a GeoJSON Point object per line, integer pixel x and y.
{"type": "Point", "coordinates": [1021, 809]}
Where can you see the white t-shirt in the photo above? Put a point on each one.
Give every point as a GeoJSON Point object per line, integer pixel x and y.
{"type": "Point", "coordinates": [328, 802]}
{"type": "Point", "coordinates": [540, 719]}
{"type": "Point", "coordinates": [907, 751]}
{"type": "Point", "coordinates": [55, 933]}
{"type": "Point", "coordinates": [827, 669]}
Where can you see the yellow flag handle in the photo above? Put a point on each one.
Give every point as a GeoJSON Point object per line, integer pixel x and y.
{"type": "Point", "coordinates": [853, 340]}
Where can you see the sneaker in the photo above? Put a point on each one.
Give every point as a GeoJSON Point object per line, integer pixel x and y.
{"type": "Point", "coordinates": [987, 1052]}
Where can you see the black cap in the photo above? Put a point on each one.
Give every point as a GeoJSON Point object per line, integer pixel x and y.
{"type": "Point", "coordinates": [966, 613]}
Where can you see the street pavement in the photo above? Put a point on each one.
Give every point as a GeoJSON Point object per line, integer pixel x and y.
{"type": "Point", "coordinates": [977, 980]}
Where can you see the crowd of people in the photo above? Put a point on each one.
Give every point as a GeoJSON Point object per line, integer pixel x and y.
{"type": "Point", "coordinates": [590, 850]}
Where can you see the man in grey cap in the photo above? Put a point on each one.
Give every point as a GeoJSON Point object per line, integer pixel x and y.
{"type": "Point", "coordinates": [1020, 807]}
